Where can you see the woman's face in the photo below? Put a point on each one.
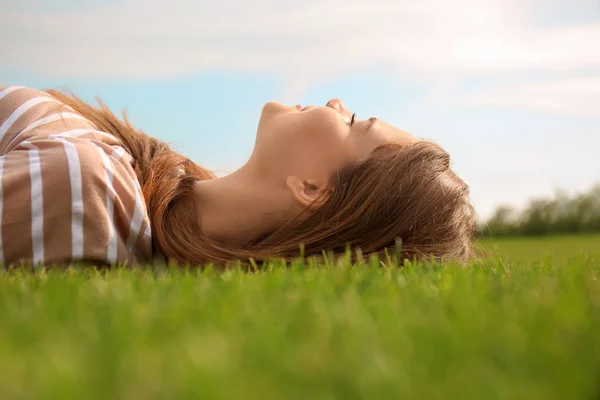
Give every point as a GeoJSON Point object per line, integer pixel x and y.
{"type": "Point", "coordinates": [312, 142]}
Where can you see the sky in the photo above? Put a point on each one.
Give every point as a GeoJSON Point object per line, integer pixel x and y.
{"type": "Point", "coordinates": [510, 88]}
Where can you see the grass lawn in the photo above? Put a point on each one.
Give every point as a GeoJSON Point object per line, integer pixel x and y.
{"type": "Point", "coordinates": [523, 324]}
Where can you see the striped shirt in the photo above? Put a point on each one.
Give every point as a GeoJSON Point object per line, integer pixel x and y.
{"type": "Point", "coordinates": [68, 192]}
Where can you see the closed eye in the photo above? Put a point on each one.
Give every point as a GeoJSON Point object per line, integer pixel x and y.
{"type": "Point", "coordinates": [371, 120]}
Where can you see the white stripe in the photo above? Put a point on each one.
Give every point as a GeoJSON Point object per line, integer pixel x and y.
{"type": "Point", "coordinates": [111, 254]}
{"type": "Point", "coordinates": [76, 200]}
{"type": "Point", "coordinates": [1, 207]}
{"type": "Point", "coordinates": [73, 133]}
{"type": "Point", "coordinates": [52, 118]}
{"type": "Point", "coordinates": [139, 211]}
{"type": "Point", "coordinates": [43, 121]}
{"type": "Point", "coordinates": [140, 193]}
{"type": "Point", "coordinates": [118, 152]}
{"type": "Point", "coordinates": [135, 226]}
{"type": "Point", "coordinates": [20, 111]}
{"type": "Point", "coordinates": [37, 206]}
{"type": "Point", "coordinates": [137, 217]}
{"type": "Point", "coordinates": [9, 90]}
{"type": "Point", "coordinates": [60, 103]}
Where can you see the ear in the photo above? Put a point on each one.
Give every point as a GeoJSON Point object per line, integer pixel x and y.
{"type": "Point", "coordinates": [305, 192]}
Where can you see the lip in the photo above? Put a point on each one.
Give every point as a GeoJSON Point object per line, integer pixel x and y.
{"type": "Point", "coordinates": [336, 104]}
{"type": "Point", "coordinates": [331, 104]}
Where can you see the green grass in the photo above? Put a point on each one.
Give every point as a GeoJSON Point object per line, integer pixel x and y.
{"type": "Point", "coordinates": [524, 324]}
{"type": "Point", "coordinates": [557, 248]}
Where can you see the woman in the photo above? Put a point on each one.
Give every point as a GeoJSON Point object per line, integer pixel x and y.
{"type": "Point", "coordinates": [77, 183]}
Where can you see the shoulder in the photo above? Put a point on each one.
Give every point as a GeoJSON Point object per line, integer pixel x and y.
{"type": "Point", "coordinates": [27, 114]}
{"type": "Point", "coordinates": [9, 94]}
{"type": "Point", "coordinates": [20, 98]}
{"type": "Point", "coordinates": [98, 161]}
{"type": "Point", "coordinates": [85, 181]}
{"type": "Point", "coordinates": [91, 164]}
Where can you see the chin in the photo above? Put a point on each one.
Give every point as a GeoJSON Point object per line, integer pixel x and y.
{"type": "Point", "coordinates": [276, 107]}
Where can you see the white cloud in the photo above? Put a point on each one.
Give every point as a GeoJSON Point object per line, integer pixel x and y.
{"type": "Point", "coordinates": [300, 41]}
{"type": "Point", "coordinates": [577, 96]}
{"type": "Point", "coordinates": [437, 41]}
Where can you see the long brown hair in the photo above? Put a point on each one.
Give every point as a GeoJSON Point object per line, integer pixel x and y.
{"type": "Point", "coordinates": [405, 192]}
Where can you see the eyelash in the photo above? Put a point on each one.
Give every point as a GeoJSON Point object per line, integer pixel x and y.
{"type": "Point", "coordinates": [352, 120]}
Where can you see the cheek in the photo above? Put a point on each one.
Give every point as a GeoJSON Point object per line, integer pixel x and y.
{"type": "Point", "coordinates": [313, 142]}
{"type": "Point", "coordinates": [322, 128]}
{"type": "Point", "coordinates": [323, 138]}
{"type": "Point", "coordinates": [309, 130]}
{"type": "Point", "coordinates": [361, 146]}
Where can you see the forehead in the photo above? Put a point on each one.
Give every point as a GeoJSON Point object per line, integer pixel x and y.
{"type": "Point", "coordinates": [364, 140]}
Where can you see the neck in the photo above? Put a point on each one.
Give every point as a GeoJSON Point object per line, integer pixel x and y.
{"type": "Point", "coordinates": [240, 207]}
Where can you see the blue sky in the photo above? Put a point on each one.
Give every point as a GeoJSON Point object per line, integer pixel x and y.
{"type": "Point", "coordinates": [511, 89]}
